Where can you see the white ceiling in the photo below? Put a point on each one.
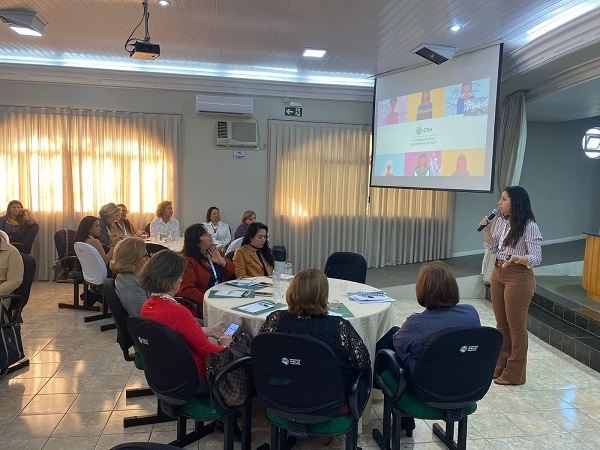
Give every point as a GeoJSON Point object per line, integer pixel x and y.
{"type": "Point", "coordinates": [264, 39]}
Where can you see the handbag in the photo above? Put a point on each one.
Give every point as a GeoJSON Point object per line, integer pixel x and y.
{"type": "Point", "coordinates": [11, 345]}
{"type": "Point", "coordinates": [237, 386]}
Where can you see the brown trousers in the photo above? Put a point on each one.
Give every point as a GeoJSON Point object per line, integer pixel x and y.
{"type": "Point", "coordinates": [512, 289]}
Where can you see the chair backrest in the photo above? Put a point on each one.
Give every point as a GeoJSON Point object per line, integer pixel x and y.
{"type": "Point", "coordinates": [346, 266]}
{"type": "Point", "coordinates": [151, 248]}
{"type": "Point", "coordinates": [29, 266]}
{"type": "Point", "coordinates": [168, 364]}
{"type": "Point", "coordinates": [64, 241]}
{"type": "Point", "coordinates": [297, 376]}
{"type": "Point", "coordinates": [237, 243]}
{"type": "Point", "coordinates": [456, 366]}
{"type": "Point", "coordinates": [4, 236]}
{"type": "Point", "coordinates": [120, 315]}
{"type": "Point", "coordinates": [147, 228]}
{"type": "Point", "coordinates": [92, 265]}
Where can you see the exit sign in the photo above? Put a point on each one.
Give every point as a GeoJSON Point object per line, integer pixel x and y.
{"type": "Point", "coordinates": [296, 112]}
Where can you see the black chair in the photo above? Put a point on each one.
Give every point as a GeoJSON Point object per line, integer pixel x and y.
{"type": "Point", "coordinates": [125, 341]}
{"type": "Point", "coordinates": [14, 304]}
{"type": "Point", "coordinates": [144, 446]}
{"type": "Point", "coordinates": [64, 240]}
{"type": "Point", "coordinates": [173, 376]}
{"type": "Point", "coordinates": [298, 379]}
{"type": "Point", "coordinates": [147, 229]}
{"type": "Point", "coordinates": [346, 266]}
{"type": "Point", "coordinates": [152, 248]}
{"type": "Point", "coordinates": [454, 371]}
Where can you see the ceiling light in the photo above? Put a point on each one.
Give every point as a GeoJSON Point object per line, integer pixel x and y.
{"type": "Point", "coordinates": [164, 2]}
{"type": "Point", "coordinates": [314, 53]}
{"type": "Point", "coordinates": [558, 20]}
{"type": "Point", "coordinates": [455, 28]}
{"type": "Point", "coordinates": [23, 21]}
{"type": "Point", "coordinates": [591, 143]}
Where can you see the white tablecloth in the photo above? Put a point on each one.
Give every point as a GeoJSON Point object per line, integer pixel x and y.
{"type": "Point", "coordinates": [176, 245]}
{"type": "Point", "coordinates": [371, 321]}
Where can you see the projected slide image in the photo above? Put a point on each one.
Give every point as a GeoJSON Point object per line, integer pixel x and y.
{"type": "Point", "coordinates": [425, 105]}
{"type": "Point", "coordinates": [459, 95]}
{"type": "Point", "coordinates": [389, 165]}
{"type": "Point", "coordinates": [392, 111]}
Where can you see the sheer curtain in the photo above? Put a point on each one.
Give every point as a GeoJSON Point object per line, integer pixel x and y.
{"type": "Point", "coordinates": [512, 138]}
{"type": "Point", "coordinates": [64, 164]}
{"type": "Point", "coordinates": [407, 226]}
{"type": "Point", "coordinates": [318, 176]}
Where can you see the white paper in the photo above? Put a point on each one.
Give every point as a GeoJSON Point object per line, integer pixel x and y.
{"type": "Point", "coordinates": [256, 307]}
{"type": "Point", "coordinates": [232, 294]}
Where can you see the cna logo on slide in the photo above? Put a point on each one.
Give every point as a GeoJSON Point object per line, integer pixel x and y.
{"type": "Point", "coordinates": [421, 130]}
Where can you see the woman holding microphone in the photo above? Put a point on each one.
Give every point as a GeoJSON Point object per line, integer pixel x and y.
{"type": "Point", "coordinates": [516, 242]}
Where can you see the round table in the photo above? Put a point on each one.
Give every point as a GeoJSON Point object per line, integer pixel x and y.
{"type": "Point", "coordinates": [371, 321]}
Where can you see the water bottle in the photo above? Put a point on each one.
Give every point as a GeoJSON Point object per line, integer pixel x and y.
{"type": "Point", "coordinates": [288, 269]}
{"type": "Point", "coordinates": [277, 284]}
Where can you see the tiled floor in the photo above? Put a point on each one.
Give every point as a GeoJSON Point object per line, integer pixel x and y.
{"type": "Point", "coordinates": [71, 397]}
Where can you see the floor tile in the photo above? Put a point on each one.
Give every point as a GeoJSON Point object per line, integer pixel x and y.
{"type": "Point", "coordinates": [82, 424]}
{"type": "Point", "coordinates": [75, 443]}
{"type": "Point", "coordinates": [50, 404]}
{"type": "Point", "coordinates": [35, 426]}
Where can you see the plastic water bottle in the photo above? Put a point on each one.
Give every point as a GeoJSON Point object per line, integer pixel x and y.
{"type": "Point", "coordinates": [277, 284]}
{"type": "Point", "coordinates": [288, 269]}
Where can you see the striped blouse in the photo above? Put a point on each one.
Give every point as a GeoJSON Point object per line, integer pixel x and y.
{"type": "Point", "coordinates": [529, 244]}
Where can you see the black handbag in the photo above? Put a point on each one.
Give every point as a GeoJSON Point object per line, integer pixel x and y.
{"type": "Point", "coordinates": [11, 345]}
{"type": "Point", "coordinates": [237, 386]}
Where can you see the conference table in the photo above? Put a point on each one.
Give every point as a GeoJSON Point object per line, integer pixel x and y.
{"type": "Point", "coordinates": [176, 245]}
{"type": "Point", "coordinates": [371, 320]}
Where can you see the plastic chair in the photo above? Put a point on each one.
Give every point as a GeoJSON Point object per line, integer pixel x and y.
{"type": "Point", "coordinates": [120, 315]}
{"type": "Point", "coordinates": [298, 379]}
{"type": "Point", "coordinates": [94, 273]}
{"type": "Point", "coordinates": [346, 266]}
{"type": "Point", "coordinates": [233, 246]}
{"type": "Point", "coordinates": [453, 372]}
{"type": "Point", "coordinates": [173, 376]}
{"type": "Point", "coordinates": [152, 248]}
{"type": "Point", "coordinates": [64, 241]}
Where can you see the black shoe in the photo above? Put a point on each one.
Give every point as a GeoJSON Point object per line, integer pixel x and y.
{"type": "Point", "coordinates": [237, 432]}
{"type": "Point", "coordinates": [408, 425]}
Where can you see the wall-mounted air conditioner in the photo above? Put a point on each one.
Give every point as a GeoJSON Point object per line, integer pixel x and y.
{"type": "Point", "coordinates": [233, 106]}
{"type": "Point", "coordinates": [235, 134]}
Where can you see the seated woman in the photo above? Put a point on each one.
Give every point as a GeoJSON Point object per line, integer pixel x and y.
{"type": "Point", "coordinates": [218, 230]}
{"type": "Point", "coordinates": [254, 258]}
{"type": "Point", "coordinates": [107, 216]}
{"type": "Point", "coordinates": [11, 267]}
{"type": "Point", "coordinates": [247, 218]}
{"type": "Point", "coordinates": [122, 226]}
{"type": "Point", "coordinates": [307, 313]}
{"type": "Point", "coordinates": [437, 292]}
{"type": "Point", "coordinates": [165, 224]}
{"type": "Point", "coordinates": [162, 276]}
{"type": "Point", "coordinates": [129, 258]}
{"type": "Point", "coordinates": [89, 231]}
{"type": "Point", "coordinates": [206, 266]}
{"type": "Point", "coordinates": [20, 224]}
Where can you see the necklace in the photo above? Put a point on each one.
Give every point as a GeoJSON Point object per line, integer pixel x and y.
{"type": "Point", "coordinates": [165, 297]}
{"type": "Point", "coordinates": [214, 228]}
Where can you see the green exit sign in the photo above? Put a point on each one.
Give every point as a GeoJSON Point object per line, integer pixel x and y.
{"type": "Point", "coordinates": [296, 112]}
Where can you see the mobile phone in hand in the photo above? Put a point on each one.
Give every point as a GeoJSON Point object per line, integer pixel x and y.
{"type": "Point", "coordinates": [232, 329]}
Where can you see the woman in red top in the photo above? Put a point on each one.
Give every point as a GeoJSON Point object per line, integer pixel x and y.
{"type": "Point", "coordinates": [161, 276]}
{"type": "Point", "coordinates": [206, 266]}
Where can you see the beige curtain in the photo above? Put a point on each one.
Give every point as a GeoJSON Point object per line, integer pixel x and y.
{"type": "Point", "coordinates": [407, 226]}
{"type": "Point", "coordinates": [512, 138]}
{"type": "Point", "coordinates": [318, 175]}
{"type": "Point", "coordinates": [64, 164]}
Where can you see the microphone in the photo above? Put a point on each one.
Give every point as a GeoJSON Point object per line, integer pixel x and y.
{"type": "Point", "coordinates": [490, 217]}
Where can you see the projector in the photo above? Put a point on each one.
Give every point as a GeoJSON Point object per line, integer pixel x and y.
{"type": "Point", "coordinates": [145, 50]}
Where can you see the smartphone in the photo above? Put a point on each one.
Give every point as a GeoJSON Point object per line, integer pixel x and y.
{"type": "Point", "coordinates": [232, 329]}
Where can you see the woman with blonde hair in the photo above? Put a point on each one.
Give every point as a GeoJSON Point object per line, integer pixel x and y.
{"type": "Point", "coordinates": [20, 225]}
{"type": "Point", "coordinates": [307, 313]}
{"type": "Point", "coordinates": [247, 218]}
{"type": "Point", "coordinates": [128, 260]}
{"type": "Point", "coordinates": [165, 224]}
{"type": "Point", "coordinates": [107, 216]}
{"type": "Point", "coordinates": [123, 226]}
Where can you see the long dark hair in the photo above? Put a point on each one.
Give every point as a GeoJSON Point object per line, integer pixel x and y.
{"type": "Point", "coordinates": [520, 214]}
{"type": "Point", "coordinates": [265, 251]}
{"type": "Point", "coordinates": [191, 242]}
{"type": "Point", "coordinates": [83, 231]}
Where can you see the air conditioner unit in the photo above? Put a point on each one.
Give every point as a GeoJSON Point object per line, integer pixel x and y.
{"type": "Point", "coordinates": [234, 106]}
{"type": "Point", "coordinates": [235, 134]}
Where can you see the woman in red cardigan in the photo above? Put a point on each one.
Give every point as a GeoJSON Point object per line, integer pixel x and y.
{"type": "Point", "coordinates": [206, 266]}
{"type": "Point", "coordinates": [161, 276]}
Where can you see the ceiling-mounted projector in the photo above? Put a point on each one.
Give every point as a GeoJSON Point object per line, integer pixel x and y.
{"type": "Point", "coordinates": [145, 50]}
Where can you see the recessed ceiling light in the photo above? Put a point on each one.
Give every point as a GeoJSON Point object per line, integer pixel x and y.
{"type": "Point", "coordinates": [456, 28]}
{"type": "Point", "coordinates": [314, 53]}
{"type": "Point", "coordinates": [164, 2]}
{"type": "Point", "coordinates": [23, 21]}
